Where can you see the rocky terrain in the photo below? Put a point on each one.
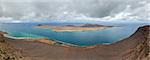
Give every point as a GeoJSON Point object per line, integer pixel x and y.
{"type": "Point", "coordinates": [94, 25]}
{"type": "Point", "coordinates": [7, 52]}
{"type": "Point", "coordinates": [135, 47]}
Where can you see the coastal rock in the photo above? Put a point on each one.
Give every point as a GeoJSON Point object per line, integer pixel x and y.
{"type": "Point", "coordinates": [7, 52]}
{"type": "Point", "coordinates": [2, 39]}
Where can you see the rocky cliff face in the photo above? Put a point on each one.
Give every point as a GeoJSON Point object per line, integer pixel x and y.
{"type": "Point", "coordinates": [142, 48]}
{"type": "Point", "coordinates": [2, 39]}
{"type": "Point", "coordinates": [7, 52]}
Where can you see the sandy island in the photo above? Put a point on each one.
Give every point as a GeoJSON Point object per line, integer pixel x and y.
{"type": "Point", "coordinates": [70, 28]}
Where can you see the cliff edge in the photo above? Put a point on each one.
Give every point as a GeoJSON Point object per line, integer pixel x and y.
{"type": "Point", "coordinates": [139, 43]}
{"type": "Point", "coordinates": [7, 52]}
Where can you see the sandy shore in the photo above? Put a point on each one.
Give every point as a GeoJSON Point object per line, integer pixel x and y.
{"type": "Point", "coordinates": [133, 48]}
{"type": "Point", "coordinates": [47, 41]}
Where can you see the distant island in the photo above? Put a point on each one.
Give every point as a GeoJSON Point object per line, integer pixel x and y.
{"type": "Point", "coordinates": [70, 28]}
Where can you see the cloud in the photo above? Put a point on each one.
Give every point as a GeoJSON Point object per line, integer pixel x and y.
{"type": "Point", "coordinates": [75, 9]}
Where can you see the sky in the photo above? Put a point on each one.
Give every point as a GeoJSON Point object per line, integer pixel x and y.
{"type": "Point", "coordinates": [74, 10]}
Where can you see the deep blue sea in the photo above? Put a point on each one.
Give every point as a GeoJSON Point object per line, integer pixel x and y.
{"type": "Point", "coordinates": [82, 38]}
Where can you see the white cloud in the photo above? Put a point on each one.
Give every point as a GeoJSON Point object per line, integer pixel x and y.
{"type": "Point", "coordinates": [96, 10]}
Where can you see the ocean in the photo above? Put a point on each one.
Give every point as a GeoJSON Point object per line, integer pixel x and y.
{"type": "Point", "coordinates": [79, 38]}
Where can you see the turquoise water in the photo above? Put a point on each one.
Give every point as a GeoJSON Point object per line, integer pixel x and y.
{"type": "Point", "coordinates": [83, 38]}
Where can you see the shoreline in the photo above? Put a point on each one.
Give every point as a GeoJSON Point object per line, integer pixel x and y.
{"type": "Point", "coordinates": [49, 41]}
{"type": "Point", "coordinates": [52, 42]}
{"type": "Point", "coordinates": [43, 40]}
{"type": "Point", "coordinates": [135, 46]}
{"type": "Point", "coordinates": [59, 43]}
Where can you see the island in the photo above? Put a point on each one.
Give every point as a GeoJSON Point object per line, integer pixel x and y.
{"type": "Point", "coordinates": [71, 28]}
{"type": "Point", "coordinates": [135, 47]}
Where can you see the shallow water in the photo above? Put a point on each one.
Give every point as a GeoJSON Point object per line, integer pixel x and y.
{"type": "Point", "coordinates": [83, 38]}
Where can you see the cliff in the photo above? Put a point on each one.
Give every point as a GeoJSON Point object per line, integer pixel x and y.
{"type": "Point", "coordinates": [7, 52]}
{"type": "Point", "coordinates": [139, 43]}
{"type": "Point", "coordinates": [135, 47]}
